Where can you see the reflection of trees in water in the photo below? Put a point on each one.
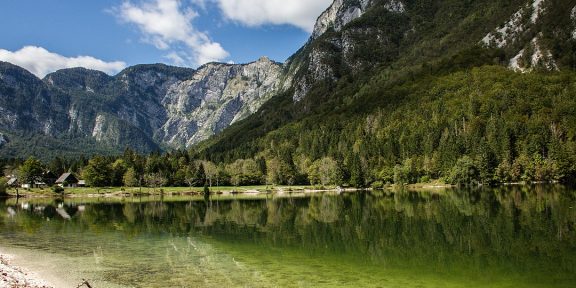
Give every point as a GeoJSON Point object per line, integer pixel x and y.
{"type": "Point", "coordinates": [474, 227]}
{"type": "Point", "coordinates": [325, 208]}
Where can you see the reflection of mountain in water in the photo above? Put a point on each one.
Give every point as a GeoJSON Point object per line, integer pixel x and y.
{"type": "Point", "coordinates": [528, 230]}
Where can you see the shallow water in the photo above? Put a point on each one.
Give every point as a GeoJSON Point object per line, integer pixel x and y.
{"type": "Point", "coordinates": [506, 237]}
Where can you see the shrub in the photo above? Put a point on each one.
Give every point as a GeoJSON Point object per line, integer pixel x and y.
{"type": "Point", "coordinates": [464, 172]}
{"type": "Point", "coordinates": [425, 179]}
{"type": "Point", "coordinates": [57, 189]}
{"type": "Point", "coordinates": [377, 185]}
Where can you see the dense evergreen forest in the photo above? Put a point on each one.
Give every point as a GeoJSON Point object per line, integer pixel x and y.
{"type": "Point", "coordinates": [482, 125]}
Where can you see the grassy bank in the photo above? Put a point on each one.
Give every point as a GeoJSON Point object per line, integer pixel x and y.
{"type": "Point", "coordinates": [215, 190]}
{"type": "Point", "coordinates": [128, 191]}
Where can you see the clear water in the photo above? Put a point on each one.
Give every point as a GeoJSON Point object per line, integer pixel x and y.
{"type": "Point", "coordinates": [506, 237]}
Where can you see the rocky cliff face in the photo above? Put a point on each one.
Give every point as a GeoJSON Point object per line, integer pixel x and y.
{"type": "Point", "coordinates": [26, 104]}
{"type": "Point", "coordinates": [144, 106]}
{"type": "Point", "coordinates": [336, 43]}
{"type": "Point", "coordinates": [215, 97]}
{"type": "Point", "coordinates": [342, 12]}
{"type": "Point", "coordinates": [151, 106]}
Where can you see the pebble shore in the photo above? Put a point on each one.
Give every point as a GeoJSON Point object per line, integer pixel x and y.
{"type": "Point", "coordinates": [14, 277]}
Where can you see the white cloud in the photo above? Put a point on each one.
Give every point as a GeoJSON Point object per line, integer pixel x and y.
{"type": "Point", "coordinates": [167, 25]}
{"type": "Point", "coordinates": [40, 61]}
{"type": "Point", "coordinates": [300, 13]}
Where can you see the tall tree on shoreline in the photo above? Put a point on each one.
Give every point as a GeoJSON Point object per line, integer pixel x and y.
{"type": "Point", "coordinates": [31, 171]}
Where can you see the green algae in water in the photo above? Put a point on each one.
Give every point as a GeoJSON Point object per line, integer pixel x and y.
{"type": "Point", "coordinates": [506, 237]}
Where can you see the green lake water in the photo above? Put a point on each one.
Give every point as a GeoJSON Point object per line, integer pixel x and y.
{"type": "Point", "coordinates": [507, 237]}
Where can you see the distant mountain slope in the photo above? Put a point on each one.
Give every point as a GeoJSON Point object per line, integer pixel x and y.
{"type": "Point", "coordinates": [358, 52]}
{"type": "Point", "coordinates": [144, 107]}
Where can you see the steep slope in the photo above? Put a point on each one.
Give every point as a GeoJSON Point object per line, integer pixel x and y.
{"type": "Point", "coordinates": [368, 60]}
{"type": "Point", "coordinates": [539, 34]}
{"type": "Point", "coordinates": [216, 96]}
{"type": "Point", "coordinates": [337, 47]}
{"type": "Point", "coordinates": [144, 107]}
{"type": "Point", "coordinates": [26, 103]}
{"type": "Point", "coordinates": [359, 50]}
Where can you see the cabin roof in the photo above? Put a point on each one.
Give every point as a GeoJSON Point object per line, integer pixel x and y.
{"type": "Point", "coordinates": [12, 181]}
{"type": "Point", "coordinates": [67, 177]}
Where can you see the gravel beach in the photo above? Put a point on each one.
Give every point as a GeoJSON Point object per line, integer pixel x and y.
{"type": "Point", "coordinates": [14, 277]}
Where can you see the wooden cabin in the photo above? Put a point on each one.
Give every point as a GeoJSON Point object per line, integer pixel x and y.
{"type": "Point", "coordinates": [13, 182]}
{"type": "Point", "coordinates": [67, 180]}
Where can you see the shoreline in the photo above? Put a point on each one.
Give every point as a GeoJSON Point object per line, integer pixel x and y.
{"type": "Point", "coordinates": [17, 277]}
{"type": "Point", "coordinates": [118, 193]}
{"type": "Point", "coordinates": [121, 192]}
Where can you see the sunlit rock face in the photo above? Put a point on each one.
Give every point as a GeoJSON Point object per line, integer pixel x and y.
{"type": "Point", "coordinates": [340, 42]}
{"type": "Point", "coordinates": [216, 96]}
{"type": "Point", "coordinates": [147, 106]}
{"type": "Point", "coordinates": [181, 109]}
{"type": "Point", "coordinates": [342, 12]}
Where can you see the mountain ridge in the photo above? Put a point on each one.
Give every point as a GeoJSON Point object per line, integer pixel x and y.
{"type": "Point", "coordinates": [133, 108]}
{"type": "Point", "coordinates": [420, 63]}
{"type": "Point", "coordinates": [354, 44]}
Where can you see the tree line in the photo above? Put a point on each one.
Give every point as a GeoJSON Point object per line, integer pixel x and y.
{"type": "Point", "coordinates": [485, 125]}
{"type": "Point", "coordinates": [179, 169]}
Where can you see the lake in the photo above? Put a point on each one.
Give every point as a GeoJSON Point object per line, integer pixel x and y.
{"type": "Point", "coordinates": [516, 236]}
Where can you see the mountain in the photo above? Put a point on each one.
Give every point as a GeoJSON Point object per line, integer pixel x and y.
{"type": "Point", "coordinates": [384, 90]}
{"type": "Point", "coordinates": [409, 89]}
{"type": "Point", "coordinates": [146, 107]}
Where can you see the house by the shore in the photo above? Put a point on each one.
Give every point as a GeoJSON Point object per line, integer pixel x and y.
{"type": "Point", "coordinates": [67, 180]}
{"type": "Point", "coordinates": [13, 182]}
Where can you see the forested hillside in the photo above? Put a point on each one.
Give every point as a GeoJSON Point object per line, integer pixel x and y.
{"type": "Point", "coordinates": [438, 101]}
{"type": "Point", "coordinates": [488, 123]}
{"type": "Point", "coordinates": [389, 91]}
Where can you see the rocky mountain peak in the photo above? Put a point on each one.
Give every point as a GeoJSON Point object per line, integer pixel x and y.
{"type": "Point", "coordinates": [78, 79]}
{"type": "Point", "coordinates": [264, 59]}
{"type": "Point", "coordinates": [12, 75]}
{"type": "Point", "coordinates": [323, 59]}
{"type": "Point", "coordinates": [216, 96]}
{"type": "Point", "coordinates": [342, 12]}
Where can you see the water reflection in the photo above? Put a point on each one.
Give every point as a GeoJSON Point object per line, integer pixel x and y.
{"type": "Point", "coordinates": [509, 235]}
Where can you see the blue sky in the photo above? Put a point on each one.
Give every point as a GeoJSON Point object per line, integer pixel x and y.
{"type": "Point", "coordinates": [45, 35]}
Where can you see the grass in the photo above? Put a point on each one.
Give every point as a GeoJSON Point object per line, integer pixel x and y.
{"type": "Point", "coordinates": [131, 191]}
{"type": "Point", "coordinates": [187, 191]}
{"type": "Point", "coordinates": [127, 191]}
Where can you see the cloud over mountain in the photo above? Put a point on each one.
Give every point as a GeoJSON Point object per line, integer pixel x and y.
{"type": "Point", "coordinates": [40, 61]}
{"type": "Point", "coordinates": [167, 24]}
{"type": "Point", "coordinates": [299, 13]}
